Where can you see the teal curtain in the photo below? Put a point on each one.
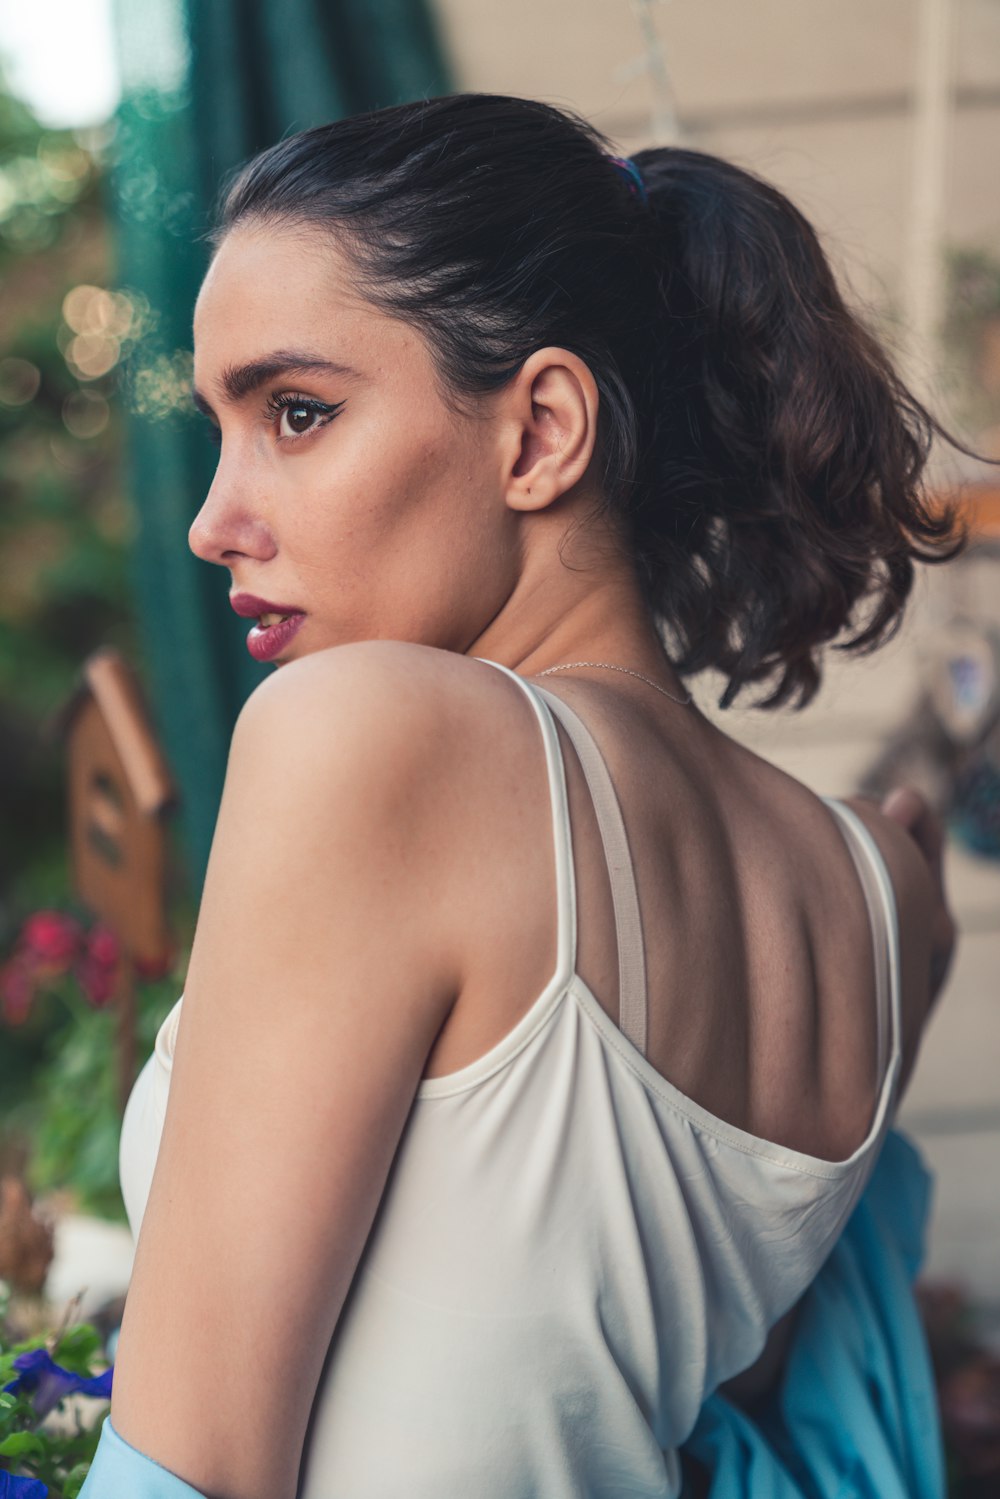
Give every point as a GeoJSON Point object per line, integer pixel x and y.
{"type": "Point", "coordinates": [206, 84]}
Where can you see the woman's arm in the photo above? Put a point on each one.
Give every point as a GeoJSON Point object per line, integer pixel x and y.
{"type": "Point", "coordinates": [906, 806]}
{"type": "Point", "coordinates": [916, 865]}
{"type": "Point", "coordinates": [318, 980]}
{"type": "Point", "coordinates": [911, 837]}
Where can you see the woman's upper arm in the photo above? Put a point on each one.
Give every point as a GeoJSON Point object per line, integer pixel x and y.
{"type": "Point", "coordinates": [926, 925]}
{"type": "Point", "coordinates": [316, 986]}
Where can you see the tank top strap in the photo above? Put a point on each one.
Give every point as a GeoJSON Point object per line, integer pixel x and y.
{"type": "Point", "coordinates": [562, 835]}
{"type": "Point", "coordinates": [884, 919]}
{"type": "Point", "coordinates": [621, 874]}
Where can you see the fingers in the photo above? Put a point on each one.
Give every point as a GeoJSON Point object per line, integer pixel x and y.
{"type": "Point", "coordinates": [907, 806]}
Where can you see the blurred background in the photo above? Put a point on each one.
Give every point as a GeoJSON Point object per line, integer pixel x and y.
{"type": "Point", "coordinates": [881, 120]}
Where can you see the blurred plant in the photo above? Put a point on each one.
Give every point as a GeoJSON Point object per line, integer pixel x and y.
{"type": "Point", "coordinates": [65, 523]}
{"type": "Point", "coordinates": [56, 992]}
{"type": "Point", "coordinates": [51, 944]}
{"type": "Point", "coordinates": [65, 531]}
{"type": "Point", "coordinates": [41, 1459]}
{"type": "Point", "coordinates": [968, 1383]}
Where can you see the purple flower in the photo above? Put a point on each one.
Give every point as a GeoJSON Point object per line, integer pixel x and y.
{"type": "Point", "coordinates": [49, 1383]}
{"type": "Point", "coordinates": [12, 1487]}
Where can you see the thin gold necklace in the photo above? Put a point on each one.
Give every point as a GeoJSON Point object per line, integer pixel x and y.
{"type": "Point", "coordinates": [608, 666]}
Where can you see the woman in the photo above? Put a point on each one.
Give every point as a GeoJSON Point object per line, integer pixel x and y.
{"type": "Point", "coordinates": [538, 1039]}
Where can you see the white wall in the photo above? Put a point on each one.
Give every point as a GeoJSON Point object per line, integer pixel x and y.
{"type": "Point", "coordinates": [813, 94]}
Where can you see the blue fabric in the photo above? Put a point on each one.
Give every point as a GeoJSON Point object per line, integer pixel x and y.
{"type": "Point", "coordinates": [855, 1413]}
{"type": "Point", "coordinates": [121, 1470]}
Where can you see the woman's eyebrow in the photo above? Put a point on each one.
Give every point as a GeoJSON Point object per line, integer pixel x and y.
{"type": "Point", "coordinates": [240, 380]}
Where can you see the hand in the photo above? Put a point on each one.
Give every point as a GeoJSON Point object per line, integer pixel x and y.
{"type": "Point", "coordinates": [906, 805]}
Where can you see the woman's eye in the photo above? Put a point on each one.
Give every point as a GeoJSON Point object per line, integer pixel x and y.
{"type": "Point", "coordinates": [297, 419]}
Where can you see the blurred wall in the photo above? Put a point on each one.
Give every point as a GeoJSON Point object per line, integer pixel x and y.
{"type": "Point", "coordinates": [816, 96]}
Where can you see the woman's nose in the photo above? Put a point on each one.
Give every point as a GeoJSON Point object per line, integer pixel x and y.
{"type": "Point", "coordinates": [227, 525]}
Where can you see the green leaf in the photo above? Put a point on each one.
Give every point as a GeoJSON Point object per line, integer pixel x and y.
{"type": "Point", "coordinates": [21, 1444]}
{"type": "Point", "coordinates": [77, 1347]}
{"type": "Point", "coordinates": [74, 1480]}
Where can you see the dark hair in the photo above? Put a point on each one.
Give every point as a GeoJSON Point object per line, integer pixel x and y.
{"type": "Point", "coordinates": [752, 435]}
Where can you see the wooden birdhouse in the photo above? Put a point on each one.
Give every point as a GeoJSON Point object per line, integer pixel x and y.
{"type": "Point", "coordinates": [119, 792]}
{"type": "Point", "coordinates": [119, 789]}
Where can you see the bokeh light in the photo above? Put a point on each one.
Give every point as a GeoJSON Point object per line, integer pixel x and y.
{"type": "Point", "coordinates": [37, 187]}
{"type": "Point", "coordinates": [85, 414]}
{"type": "Point", "coordinates": [90, 355]}
{"type": "Point", "coordinates": [92, 309]}
{"type": "Point", "coordinates": [97, 322]}
{"type": "Point", "coordinates": [63, 163]}
{"type": "Point", "coordinates": [19, 381]}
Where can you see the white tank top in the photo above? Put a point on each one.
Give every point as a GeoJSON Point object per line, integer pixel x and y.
{"type": "Point", "coordinates": [570, 1254]}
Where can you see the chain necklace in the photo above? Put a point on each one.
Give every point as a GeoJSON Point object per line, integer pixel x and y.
{"type": "Point", "coordinates": [608, 666]}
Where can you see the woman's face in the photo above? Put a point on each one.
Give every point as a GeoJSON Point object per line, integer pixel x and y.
{"type": "Point", "coordinates": [346, 487]}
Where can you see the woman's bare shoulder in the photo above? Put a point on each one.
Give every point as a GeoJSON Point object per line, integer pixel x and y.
{"type": "Point", "coordinates": [380, 670]}
{"type": "Point", "coordinates": [419, 741]}
{"type": "Point", "coordinates": [393, 695]}
{"type": "Point", "coordinates": [398, 685]}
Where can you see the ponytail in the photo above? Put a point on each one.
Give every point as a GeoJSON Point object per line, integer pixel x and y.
{"type": "Point", "coordinates": [782, 487]}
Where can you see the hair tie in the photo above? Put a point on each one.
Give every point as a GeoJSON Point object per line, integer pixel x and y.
{"type": "Point", "coordinates": [629, 173]}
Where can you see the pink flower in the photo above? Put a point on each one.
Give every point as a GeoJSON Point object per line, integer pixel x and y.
{"type": "Point", "coordinates": [97, 969]}
{"type": "Point", "coordinates": [96, 981]}
{"type": "Point", "coordinates": [51, 941]}
{"type": "Point", "coordinates": [51, 944]}
{"type": "Point", "coordinates": [17, 991]}
{"type": "Point", "coordinates": [103, 947]}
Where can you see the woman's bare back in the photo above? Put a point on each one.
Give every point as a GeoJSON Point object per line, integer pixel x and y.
{"type": "Point", "coordinates": [758, 943]}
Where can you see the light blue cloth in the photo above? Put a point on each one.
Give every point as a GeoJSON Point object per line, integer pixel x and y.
{"type": "Point", "coordinates": [121, 1471]}
{"type": "Point", "coordinates": [854, 1415]}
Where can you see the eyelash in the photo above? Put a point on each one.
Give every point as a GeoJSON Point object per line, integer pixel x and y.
{"type": "Point", "coordinates": [288, 400]}
{"type": "Point", "coordinates": [276, 404]}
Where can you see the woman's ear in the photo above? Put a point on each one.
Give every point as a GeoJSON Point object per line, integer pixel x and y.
{"type": "Point", "coordinates": [551, 408]}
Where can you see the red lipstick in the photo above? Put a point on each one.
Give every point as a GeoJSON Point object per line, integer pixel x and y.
{"type": "Point", "coordinates": [264, 642]}
{"type": "Point", "coordinates": [251, 607]}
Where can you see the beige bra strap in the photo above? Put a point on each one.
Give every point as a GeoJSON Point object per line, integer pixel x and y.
{"type": "Point", "coordinates": [628, 922]}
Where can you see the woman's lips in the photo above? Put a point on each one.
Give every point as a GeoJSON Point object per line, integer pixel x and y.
{"type": "Point", "coordinates": [266, 642]}
{"type": "Point", "coordinates": [250, 606]}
